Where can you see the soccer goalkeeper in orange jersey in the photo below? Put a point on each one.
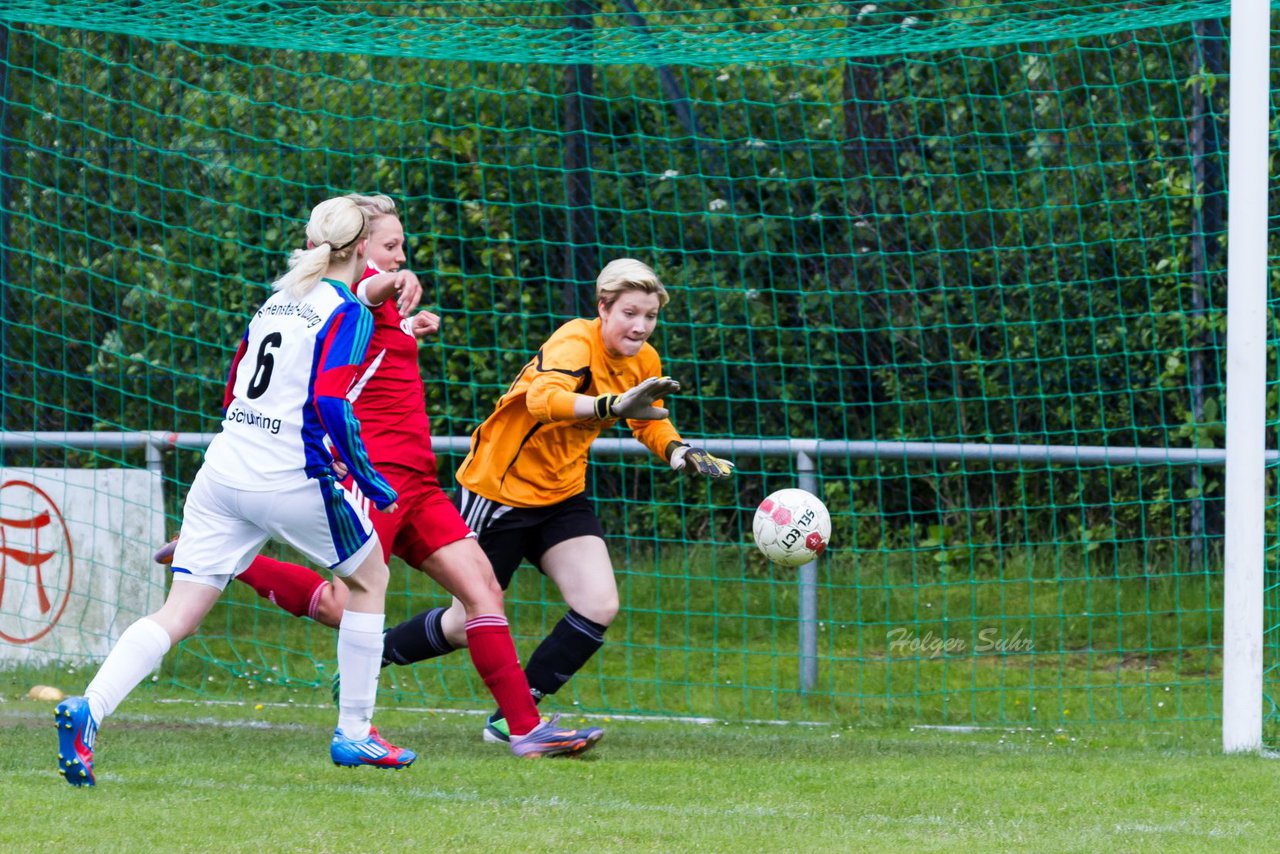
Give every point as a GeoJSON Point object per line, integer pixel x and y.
{"type": "Point", "coordinates": [522, 486]}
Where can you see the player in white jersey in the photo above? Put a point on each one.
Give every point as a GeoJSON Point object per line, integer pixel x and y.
{"type": "Point", "coordinates": [269, 475]}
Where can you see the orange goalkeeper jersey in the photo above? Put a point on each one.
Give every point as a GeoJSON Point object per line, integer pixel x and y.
{"type": "Point", "coordinates": [532, 450]}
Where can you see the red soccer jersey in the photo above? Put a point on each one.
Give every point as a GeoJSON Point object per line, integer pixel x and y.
{"type": "Point", "coordinates": [388, 397]}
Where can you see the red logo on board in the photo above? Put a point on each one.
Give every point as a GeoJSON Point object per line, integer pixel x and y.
{"type": "Point", "coordinates": [36, 564]}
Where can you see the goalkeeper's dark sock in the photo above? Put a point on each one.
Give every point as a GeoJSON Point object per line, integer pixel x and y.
{"type": "Point", "coordinates": [416, 639]}
{"type": "Point", "coordinates": [563, 653]}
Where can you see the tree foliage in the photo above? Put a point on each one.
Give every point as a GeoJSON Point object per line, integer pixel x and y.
{"type": "Point", "coordinates": [974, 245]}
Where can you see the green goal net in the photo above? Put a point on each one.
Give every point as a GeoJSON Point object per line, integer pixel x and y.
{"type": "Point", "coordinates": [959, 268]}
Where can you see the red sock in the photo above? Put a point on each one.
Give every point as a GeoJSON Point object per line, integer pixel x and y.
{"type": "Point", "coordinates": [494, 655]}
{"type": "Point", "coordinates": [294, 588]}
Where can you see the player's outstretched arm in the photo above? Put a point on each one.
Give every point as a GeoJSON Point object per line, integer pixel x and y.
{"type": "Point", "coordinates": [402, 286]}
{"type": "Point", "coordinates": [637, 403]}
{"type": "Point", "coordinates": [551, 398]}
{"type": "Point", "coordinates": [696, 461]}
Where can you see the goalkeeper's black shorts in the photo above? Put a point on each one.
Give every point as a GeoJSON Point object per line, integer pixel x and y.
{"type": "Point", "coordinates": [509, 535]}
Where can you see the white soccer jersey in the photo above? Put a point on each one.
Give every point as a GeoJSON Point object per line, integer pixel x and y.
{"type": "Point", "coordinates": [287, 390]}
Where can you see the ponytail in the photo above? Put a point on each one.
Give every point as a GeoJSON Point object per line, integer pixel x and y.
{"type": "Point", "coordinates": [335, 227]}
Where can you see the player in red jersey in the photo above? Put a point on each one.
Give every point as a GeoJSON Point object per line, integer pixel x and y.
{"type": "Point", "coordinates": [426, 530]}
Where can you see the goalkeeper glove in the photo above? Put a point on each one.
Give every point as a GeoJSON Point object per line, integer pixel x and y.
{"type": "Point", "coordinates": [637, 402]}
{"type": "Point", "coordinates": [697, 461]}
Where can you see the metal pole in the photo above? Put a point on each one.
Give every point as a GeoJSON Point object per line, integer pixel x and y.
{"type": "Point", "coordinates": [156, 447]}
{"type": "Point", "coordinates": [1204, 242]}
{"type": "Point", "coordinates": [1246, 376]}
{"type": "Point", "coordinates": [807, 472]}
{"type": "Point", "coordinates": [582, 262]}
{"type": "Point", "coordinates": [819, 449]}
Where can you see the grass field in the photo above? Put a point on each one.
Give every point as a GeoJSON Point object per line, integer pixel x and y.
{"type": "Point", "coordinates": [184, 776]}
{"type": "Point", "coordinates": [1103, 736]}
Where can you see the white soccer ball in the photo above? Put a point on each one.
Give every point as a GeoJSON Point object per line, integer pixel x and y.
{"type": "Point", "coordinates": [792, 527]}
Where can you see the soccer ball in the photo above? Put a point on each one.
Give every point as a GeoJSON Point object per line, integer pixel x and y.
{"type": "Point", "coordinates": [792, 527]}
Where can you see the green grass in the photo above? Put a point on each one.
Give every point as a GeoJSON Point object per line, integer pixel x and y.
{"type": "Point", "coordinates": [221, 777]}
{"type": "Point", "coordinates": [1102, 734]}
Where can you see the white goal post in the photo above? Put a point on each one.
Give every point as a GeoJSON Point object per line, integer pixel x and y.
{"type": "Point", "coordinates": [1247, 281]}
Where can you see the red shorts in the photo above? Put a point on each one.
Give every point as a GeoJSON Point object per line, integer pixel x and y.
{"type": "Point", "coordinates": [424, 522]}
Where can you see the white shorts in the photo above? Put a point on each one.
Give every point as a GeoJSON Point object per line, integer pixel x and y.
{"type": "Point", "coordinates": [223, 528]}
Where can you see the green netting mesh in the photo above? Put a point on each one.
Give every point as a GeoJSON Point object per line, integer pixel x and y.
{"type": "Point", "coordinates": [978, 227]}
{"type": "Point", "coordinates": [622, 33]}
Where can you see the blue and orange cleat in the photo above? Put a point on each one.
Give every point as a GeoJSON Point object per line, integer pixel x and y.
{"type": "Point", "coordinates": [76, 732]}
{"type": "Point", "coordinates": [547, 739]}
{"type": "Point", "coordinates": [373, 750]}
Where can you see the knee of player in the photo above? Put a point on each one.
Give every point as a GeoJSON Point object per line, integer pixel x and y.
{"type": "Point", "coordinates": [379, 575]}
{"type": "Point", "coordinates": [179, 627]}
{"type": "Point", "coordinates": [491, 587]}
{"type": "Point", "coordinates": [483, 593]}
{"type": "Point", "coordinates": [182, 631]}
{"type": "Point", "coordinates": [602, 609]}
{"type": "Point", "coordinates": [372, 576]}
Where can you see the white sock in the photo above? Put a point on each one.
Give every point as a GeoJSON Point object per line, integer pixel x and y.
{"type": "Point", "coordinates": [138, 652]}
{"type": "Point", "coordinates": [359, 660]}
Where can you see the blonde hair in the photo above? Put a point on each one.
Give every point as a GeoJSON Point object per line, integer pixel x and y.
{"type": "Point", "coordinates": [628, 274]}
{"type": "Point", "coordinates": [335, 227]}
{"type": "Point", "coordinates": [373, 206]}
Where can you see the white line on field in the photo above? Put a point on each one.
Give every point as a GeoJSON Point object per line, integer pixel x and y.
{"type": "Point", "coordinates": [958, 728]}
{"type": "Point", "coordinates": [679, 719]}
